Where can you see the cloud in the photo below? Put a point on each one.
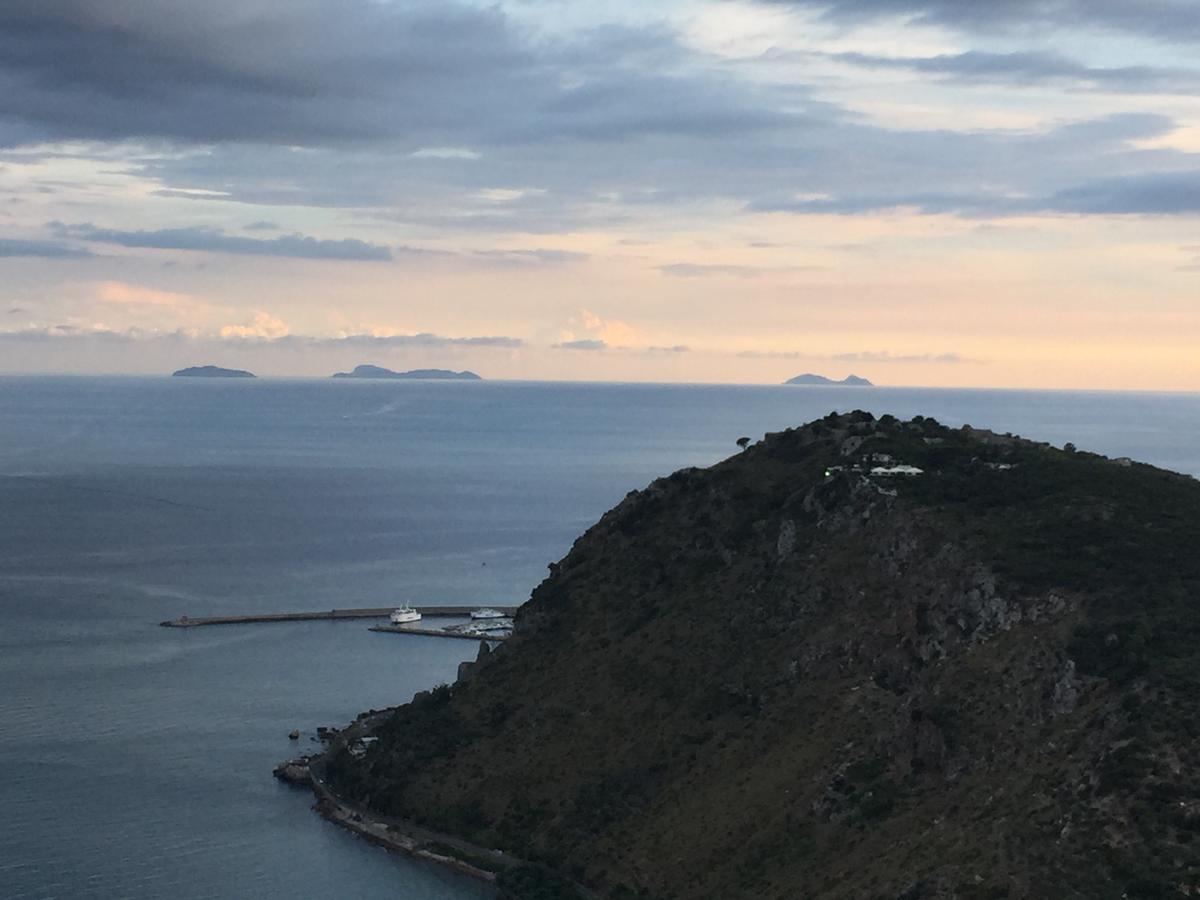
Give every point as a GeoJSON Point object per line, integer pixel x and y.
{"type": "Point", "coordinates": [422, 340]}
{"type": "Point", "coordinates": [775, 354]}
{"type": "Point", "coordinates": [192, 194]}
{"type": "Point", "coordinates": [711, 270]}
{"type": "Point", "coordinates": [611, 333]}
{"type": "Point", "coordinates": [1171, 20]}
{"type": "Point", "coordinates": [445, 153]}
{"type": "Point", "coordinates": [1158, 193]}
{"type": "Point", "coordinates": [67, 332]}
{"type": "Point", "coordinates": [1151, 194]}
{"type": "Point", "coordinates": [697, 270]}
{"type": "Point", "coordinates": [456, 118]}
{"type": "Point", "coordinates": [1194, 265]}
{"type": "Point", "coordinates": [863, 356]}
{"type": "Point", "coordinates": [539, 256]}
{"type": "Point", "coordinates": [883, 356]}
{"type": "Point", "coordinates": [1034, 68]}
{"type": "Point", "coordinates": [12, 247]}
{"type": "Point", "coordinates": [595, 345]}
{"type": "Point", "coordinates": [264, 326]}
{"type": "Point", "coordinates": [214, 240]}
{"type": "Point", "coordinates": [124, 294]}
{"type": "Point", "coordinates": [452, 115]}
{"type": "Point", "coordinates": [507, 195]}
{"type": "Point", "coordinates": [435, 76]}
{"type": "Point", "coordinates": [298, 246]}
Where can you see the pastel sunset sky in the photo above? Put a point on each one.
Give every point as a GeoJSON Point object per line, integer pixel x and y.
{"type": "Point", "coordinates": [922, 192]}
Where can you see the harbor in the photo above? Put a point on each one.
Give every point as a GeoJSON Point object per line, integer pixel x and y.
{"type": "Point", "coordinates": [332, 614]}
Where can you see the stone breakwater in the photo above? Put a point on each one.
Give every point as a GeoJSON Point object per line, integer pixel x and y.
{"type": "Point", "coordinates": [361, 613]}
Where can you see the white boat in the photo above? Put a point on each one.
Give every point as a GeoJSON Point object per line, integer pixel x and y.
{"type": "Point", "coordinates": [403, 614]}
{"type": "Point", "coordinates": [487, 613]}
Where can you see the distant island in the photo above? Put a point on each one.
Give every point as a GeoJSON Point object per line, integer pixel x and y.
{"type": "Point", "coordinates": [434, 374]}
{"type": "Point", "coordinates": [212, 372]}
{"type": "Point", "coordinates": [848, 381]}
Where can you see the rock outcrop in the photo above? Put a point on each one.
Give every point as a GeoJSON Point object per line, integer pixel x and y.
{"type": "Point", "coordinates": [294, 771]}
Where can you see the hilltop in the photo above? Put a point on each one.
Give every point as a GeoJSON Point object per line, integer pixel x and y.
{"type": "Point", "coordinates": [366, 371]}
{"type": "Point", "coordinates": [863, 658]}
{"type": "Point", "coordinates": [211, 372]}
{"type": "Point", "coordinates": [810, 378]}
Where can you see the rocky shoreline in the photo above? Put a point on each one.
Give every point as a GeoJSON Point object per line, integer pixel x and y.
{"type": "Point", "coordinates": [395, 835]}
{"type": "Point", "coordinates": [399, 835]}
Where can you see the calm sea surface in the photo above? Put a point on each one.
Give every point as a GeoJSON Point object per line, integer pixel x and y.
{"type": "Point", "coordinates": [137, 760]}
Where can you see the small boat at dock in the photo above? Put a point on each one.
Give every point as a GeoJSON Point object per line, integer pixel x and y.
{"type": "Point", "coordinates": [487, 628]}
{"type": "Point", "coordinates": [487, 613]}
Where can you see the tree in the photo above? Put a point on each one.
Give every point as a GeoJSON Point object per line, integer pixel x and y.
{"type": "Point", "coordinates": [743, 442]}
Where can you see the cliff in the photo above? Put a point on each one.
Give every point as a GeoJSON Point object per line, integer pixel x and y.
{"type": "Point", "coordinates": [864, 658]}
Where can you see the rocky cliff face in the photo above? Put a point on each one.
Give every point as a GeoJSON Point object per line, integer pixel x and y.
{"type": "Point", "coordinates": [864, 658]}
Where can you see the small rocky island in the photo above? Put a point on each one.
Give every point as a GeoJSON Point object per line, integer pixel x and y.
{"type": "Point", "coordinates": [212, 372]}
{"type": "Point", "coordinates": [861, 658]}
{"type": "Point", "coordinates": [366, 371]}
{"type": "Point", "coordinates": [821, 380]}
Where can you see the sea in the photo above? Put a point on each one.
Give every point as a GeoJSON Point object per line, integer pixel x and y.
{"type": "Point", "coordinates": [135, 760]}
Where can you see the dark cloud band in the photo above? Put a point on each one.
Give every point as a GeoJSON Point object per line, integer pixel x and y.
{"type": "Point", "coordinates": [11, 247]}
{"type": "Point", "coordinates": [211, 240]}
{"type": "Point", "coordinates": [1172, 20]}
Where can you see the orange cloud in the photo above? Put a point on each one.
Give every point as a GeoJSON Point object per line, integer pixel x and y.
{"type": "Point", "coordinates": [264, 326]}
{"type": "Point", "coordinates": [122, 292]}
{"type": "Point", "coordinates": [613, 332]}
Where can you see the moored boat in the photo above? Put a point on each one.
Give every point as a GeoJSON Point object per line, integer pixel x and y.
{"type": "Point", "coordinates": [404, 614]}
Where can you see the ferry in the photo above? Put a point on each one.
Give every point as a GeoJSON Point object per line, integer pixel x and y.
{"type": "Point", "coordinates": [404, 614]}
{"type": "Point", "coordinates": [487, 613]}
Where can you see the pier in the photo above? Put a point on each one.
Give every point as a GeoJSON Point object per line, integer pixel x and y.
{"type": "Point", "coordinates": [334, 614]}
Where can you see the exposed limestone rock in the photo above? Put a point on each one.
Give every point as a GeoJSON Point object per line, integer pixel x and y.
{"type": "Point", "coordinates": [1064, 696]}
{"type": "Point", "coordinates": [787, 540]}
{"type": "Point", "coordinates": [467, 669]}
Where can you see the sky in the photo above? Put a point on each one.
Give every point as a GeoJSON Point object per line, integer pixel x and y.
{"type": "Point", "coordinates": [977, 193]}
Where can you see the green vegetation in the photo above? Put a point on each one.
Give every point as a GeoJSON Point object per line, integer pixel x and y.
{"type": "Point", "coordinates": [535, 883]}
{"type": "Point", "coordinates": [472, 859]}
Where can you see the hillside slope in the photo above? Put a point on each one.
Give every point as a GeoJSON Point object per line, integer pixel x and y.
{"type": "Point", "coordinates": [802, 673]}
